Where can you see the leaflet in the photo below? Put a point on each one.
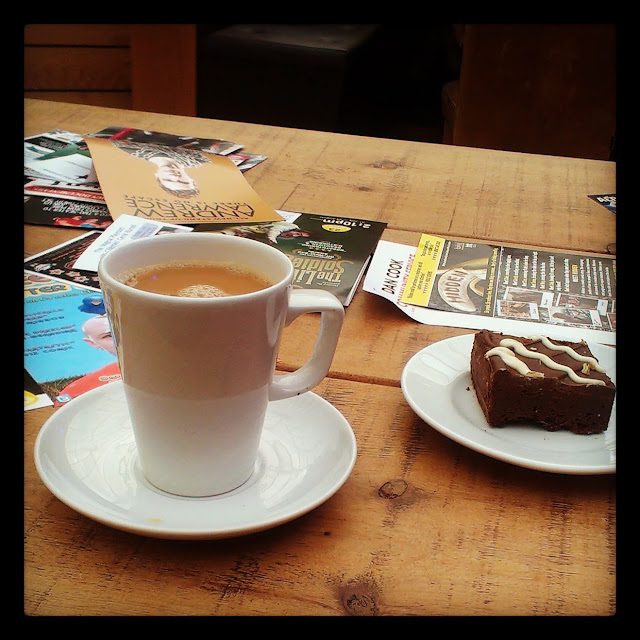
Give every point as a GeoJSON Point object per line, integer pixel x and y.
{"type": "Point", "coordinates": [68, 347]}
{"type": "Point", "coordinates": [327, 252]}
{"type": "Point", "coordinates": [34, 395]}
{"type": "Point", "coordinates": [176, 183]}
{"type": "Point", "coordinates": [51, 150]}
{"type": "Point", "coordinates": [484, 286]}
{"type": "Point", "coordinates": [124, 229]}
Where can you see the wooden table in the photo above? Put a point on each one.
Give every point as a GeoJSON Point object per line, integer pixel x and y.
{"type": "Point", "coordinates": [460, 533]}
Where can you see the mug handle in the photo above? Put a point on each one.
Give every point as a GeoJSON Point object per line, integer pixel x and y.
{"type": "Point", "coordinates": [312, 372]}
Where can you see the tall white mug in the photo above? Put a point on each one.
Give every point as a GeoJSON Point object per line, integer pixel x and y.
{"type": "Point", "coordinates": [198, 373]}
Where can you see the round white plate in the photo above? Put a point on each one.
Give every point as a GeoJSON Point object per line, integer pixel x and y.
{"type": "Point", "coordinates": [86, 456]}
{"type": "Point", "coordinates": [436, 383]}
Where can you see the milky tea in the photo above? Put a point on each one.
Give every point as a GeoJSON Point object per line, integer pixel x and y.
{"type": "Point", "coordinates": [195, 279]}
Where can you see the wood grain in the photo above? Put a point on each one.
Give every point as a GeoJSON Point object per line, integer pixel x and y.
{"type": "Point", "coordinates": [423, 526]}
{"type": "Point", "coordinates": [501, 196]}
{"type": "Point", "coordinates": [461, 534]}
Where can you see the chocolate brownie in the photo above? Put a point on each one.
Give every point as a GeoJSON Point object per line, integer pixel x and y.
{"type": "Point", "coordinates": [554, 383]}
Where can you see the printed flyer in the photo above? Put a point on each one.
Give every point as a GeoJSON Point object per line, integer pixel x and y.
{"type": "Point", "coordinates": [56, 155]}
{"type": "Point", "coordinates": [129, 134]}
{"type": "Point", "coordinates": [62, 212]}
{"type": "Point", "coordinates": [68, 348]}
{"type": "Point", "coordinates": [70, 164]}
{"type": "Point", "coordinates": [483, 286]}
{"type": "Point", "coordinates": [124, 229]}
{"type": "Point", "coordinates": [607, 200]}
{"type": "Point", "coordinates": [76, 261]}
{"type": "Point", "coordinates": [327, 252]}
{"type": "Point", "coordinates": [82, 192]}
{"type": "Point", "coordinates": [59, 262]}
{"type": "Point", "coordinates": [178, 184]}
{"type": "Point", "coordinates": [34, 395]}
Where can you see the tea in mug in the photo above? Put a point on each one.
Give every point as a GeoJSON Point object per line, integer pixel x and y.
{"type": "Point", "coordinates": [195, 279]}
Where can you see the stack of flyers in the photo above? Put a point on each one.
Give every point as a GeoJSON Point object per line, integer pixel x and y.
{"type": "Point", "coordinates": [40, 149]}
{"type": "Point", "coordinates": [60, 157]}
{"type": "Point", "coordinates": [61, 187]}
{"type": "Point", "coordinates": [245, 161]}
{"type": "Point", "coordinates": [214, 146]}
{"type": "Point", "coordinates": [60, 183]}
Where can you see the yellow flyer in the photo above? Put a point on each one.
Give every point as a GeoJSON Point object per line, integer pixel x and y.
{"type": "Point", "coordinates": [422, 272]}
{"type": "Point", "coordinates": [174, 184]}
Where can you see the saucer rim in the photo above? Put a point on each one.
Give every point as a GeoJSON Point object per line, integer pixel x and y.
{"type": "Point", "coordinates": [430, 403]}
{"type": "Point", "coordinates": [155, 530]}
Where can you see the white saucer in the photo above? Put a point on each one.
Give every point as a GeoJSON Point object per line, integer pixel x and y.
{"type": "Point", "coordinates": [436, 383]}
{"type": "Point", "coordinates": [86, 456]}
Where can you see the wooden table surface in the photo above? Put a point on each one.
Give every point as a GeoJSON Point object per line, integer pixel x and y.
{"type": "Point", "coordinates": [461, 533]}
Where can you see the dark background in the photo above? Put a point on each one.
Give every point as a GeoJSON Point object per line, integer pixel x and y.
{"type": "Point", "coordinates": [375, 80]}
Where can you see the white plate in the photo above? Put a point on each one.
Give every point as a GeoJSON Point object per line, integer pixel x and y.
{"type": "Point", "coordinates": [86, 456]}
{"type": "Point", "coordinates": [436, 383]}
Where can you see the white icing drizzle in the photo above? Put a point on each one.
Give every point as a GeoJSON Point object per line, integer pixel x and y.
{"type": "Point", "coordinates": [509, 358]}
{"type": "Point", "coordinates": [504, 352]}
{"type": "Point", "coordinates": [563, 347]}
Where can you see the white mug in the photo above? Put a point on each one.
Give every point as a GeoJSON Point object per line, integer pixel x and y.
{"type": "Point", "coordinates": [198, 373]}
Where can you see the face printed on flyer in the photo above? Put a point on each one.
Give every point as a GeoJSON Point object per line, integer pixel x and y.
{"type": "Point", "coordinates": [174, 184]}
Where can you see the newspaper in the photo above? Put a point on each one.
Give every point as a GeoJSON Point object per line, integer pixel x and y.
{"type": "Point", "coordinates": [519, 291]}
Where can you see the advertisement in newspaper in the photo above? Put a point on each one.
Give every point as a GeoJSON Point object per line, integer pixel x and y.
{"type": "Point", "coordinates": [509, 289]}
